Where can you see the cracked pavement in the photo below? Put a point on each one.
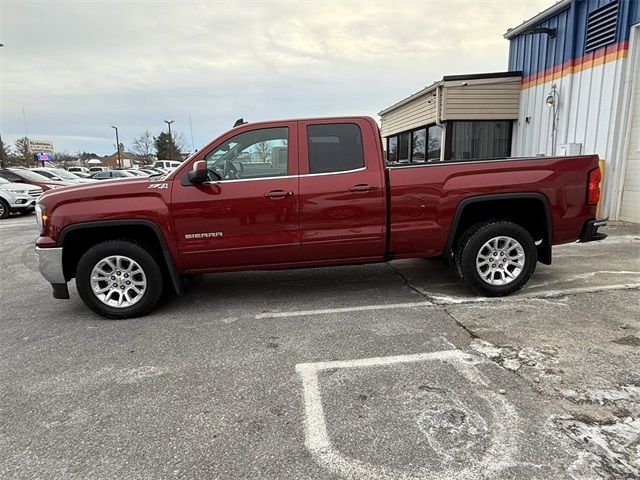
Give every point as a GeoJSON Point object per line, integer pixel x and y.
{"type": "Point", "coordinates": [379, 371]}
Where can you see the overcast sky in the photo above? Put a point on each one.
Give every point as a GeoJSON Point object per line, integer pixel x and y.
{"type": "Point", "coordinates": [77, 67]}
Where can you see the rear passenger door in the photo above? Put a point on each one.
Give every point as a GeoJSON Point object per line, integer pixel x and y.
{"type": "Point", "coordinates": [342, 199]}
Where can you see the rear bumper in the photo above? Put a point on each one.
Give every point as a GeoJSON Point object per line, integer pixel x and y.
{"type": "Point", "coordinates": [50, 261]}
{"type": "Point", "coordinates": [590, 230]}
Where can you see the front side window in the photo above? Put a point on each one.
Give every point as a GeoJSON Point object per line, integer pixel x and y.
{"type": "Point", "coordinates": [334, 147]}
{"type": "Point", "coordinates": [255, 154]}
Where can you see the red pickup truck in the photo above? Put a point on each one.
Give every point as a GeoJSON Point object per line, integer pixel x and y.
{"type": "Point", "coordinates": [308, 193]}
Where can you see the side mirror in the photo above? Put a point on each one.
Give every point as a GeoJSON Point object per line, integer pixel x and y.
{"type": "Point", "coordinates": [199, 173]}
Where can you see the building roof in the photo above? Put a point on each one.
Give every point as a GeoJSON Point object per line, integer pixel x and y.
{"type": "Point", "coordinates": [535, 20]}
{"type": "Point", "coordinates": [450, 78]}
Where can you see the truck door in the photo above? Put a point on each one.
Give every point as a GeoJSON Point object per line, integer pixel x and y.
{"type": "Point", "coordinates": [342, 199]}
{"type": "Point", "coordinates": [250, 216]}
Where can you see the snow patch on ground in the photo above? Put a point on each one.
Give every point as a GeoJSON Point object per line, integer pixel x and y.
{"type": "Point", "coordinates": [617, 444]}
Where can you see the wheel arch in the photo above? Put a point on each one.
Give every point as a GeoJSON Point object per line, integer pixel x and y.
{"type": "Point", "coordinates": [501, 206]}
{"type": "Point", "coordinates": [87, 234]}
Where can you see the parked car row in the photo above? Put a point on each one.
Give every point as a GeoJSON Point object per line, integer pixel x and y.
{"type": "Point", "coordinates": [20, 187]}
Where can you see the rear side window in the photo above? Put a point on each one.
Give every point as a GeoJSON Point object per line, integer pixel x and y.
{"type": "Point", "coordinates": [334, 147]}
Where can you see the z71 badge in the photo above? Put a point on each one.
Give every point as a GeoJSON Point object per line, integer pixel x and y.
{"type": "Point", "coordinates": [159, 186]}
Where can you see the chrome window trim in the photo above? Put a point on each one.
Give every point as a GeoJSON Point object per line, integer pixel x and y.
{"type": "Point", "coordinates": [361, 169]}
{"type": "Point", "coordinates": [235, 180]}
{"type": "Point", "coordinates": [280, 177]}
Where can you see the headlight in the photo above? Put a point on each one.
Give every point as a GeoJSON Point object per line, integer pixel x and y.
{"type": "Point", "coordinates": [41, 217]}
{"type": "Point", "coordinates": [51, 186]}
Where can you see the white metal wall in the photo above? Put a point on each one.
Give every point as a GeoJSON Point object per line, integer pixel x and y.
{"type": "Point", "coordinates": [630, 195]}
{"type": "Point", "coordinates": [589, 113]}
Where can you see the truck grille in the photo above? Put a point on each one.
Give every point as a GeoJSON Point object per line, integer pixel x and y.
{"type": "Point", "coordinates": [35, 192]}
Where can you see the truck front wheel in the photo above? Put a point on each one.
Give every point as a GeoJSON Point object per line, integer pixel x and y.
{"type": "Point", "coordinates": [496, 258]}
{"type": "Point", "coordinates": [119, 279]}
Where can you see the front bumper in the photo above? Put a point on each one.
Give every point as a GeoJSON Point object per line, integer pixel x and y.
{"type": "Point", "coordinates": [22, 203]}
{"type": "Point", "coordinates": [51, 268]}
{"type": "Point", "coordinates": [590, 230]}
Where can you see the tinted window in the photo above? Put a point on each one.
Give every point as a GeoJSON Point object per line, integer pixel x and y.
{"type": "Point", "coordinates": [10, 176]}
{"type": "Point", "coordinates": [480, 139]}
{"type": "Point", "coordinates": [433, 143]}
{"type": "Point", "coordinates": [335, 147]}
{"type": "Point", "coordinates": [418, 143]}
{"type": "Point", "coordinates": [392, 149]}
{"type": "Point", "coordinates": [255, 154]}
{"type": "Point", "coordinates": [404, 141]}
{"type": "Point", "coordinates": [31, 176]}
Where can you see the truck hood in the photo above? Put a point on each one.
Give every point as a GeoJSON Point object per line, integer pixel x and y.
{"type": "Point", "coordinates": [82, 192]}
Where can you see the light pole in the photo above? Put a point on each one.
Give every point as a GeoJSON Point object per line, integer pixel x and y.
{"type": "Point", "coordinates": [1, 151]}
{"type": "Point", "coordinates": [117, 146]}
{"type": "Point", "coordinates": [169, 122]}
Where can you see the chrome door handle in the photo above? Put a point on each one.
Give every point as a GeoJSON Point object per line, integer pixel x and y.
{"type": "Point", "coordinates": [362, 187]}
{"type": "Point", "coordinates": [277, 194]}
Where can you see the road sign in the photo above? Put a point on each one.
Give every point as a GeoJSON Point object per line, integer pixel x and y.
{"type": "Point", "coordinates": [41, 146]}
{"type": "Point", "coordinates": [43, 157]}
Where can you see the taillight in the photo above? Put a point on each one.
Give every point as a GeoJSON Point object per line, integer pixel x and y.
{"type": "Point", "coordinates": [593, 192]}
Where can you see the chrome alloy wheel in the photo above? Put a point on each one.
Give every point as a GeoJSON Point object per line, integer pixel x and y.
{"type": "Point", "coordinates": [118, 281]}
{"type": "Point", "coordinates": [500, 260]}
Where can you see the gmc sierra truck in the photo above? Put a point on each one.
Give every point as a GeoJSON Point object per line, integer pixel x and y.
{"type": "Point", "coordinates": [309, 193]}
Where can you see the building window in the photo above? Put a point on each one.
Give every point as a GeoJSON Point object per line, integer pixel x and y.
{"type": "Point", "coordinates": [418, 144]}
{"type": "Point", "coordinates": [479, 140]}
{"type": "Point", "coordinates": [392, 149]}
{"type": "Point", "coordinates": [334, 147]}
{"type": "Point", "coordinates": [433, 145]}
{"type": "Point", "coordinates": [404, 140]}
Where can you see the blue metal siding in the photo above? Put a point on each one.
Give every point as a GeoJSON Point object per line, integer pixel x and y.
{"type": "Point", "coordinates": [538, 52]}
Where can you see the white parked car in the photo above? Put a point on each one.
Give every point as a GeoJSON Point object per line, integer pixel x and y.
{"type": "Point", "coordinates": [78, 169]}
{"type": "Point", "coordinates": [61, 175]}
{"type": "Point", "coordinates": [166, 165]}
{"type": "Point", "coordinates": [17, 197]}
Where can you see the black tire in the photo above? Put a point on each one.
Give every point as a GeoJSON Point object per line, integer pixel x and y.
{"type": "Point", "coordinates": [135, 252]}
{"type": "Point", "coordinates": [4, 209]}
{"type": "Point", "coordinates": [470, 245]}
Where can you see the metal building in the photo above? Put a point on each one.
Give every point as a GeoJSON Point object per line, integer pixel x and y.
{"type": "Point", "coordinates": [580, 91]}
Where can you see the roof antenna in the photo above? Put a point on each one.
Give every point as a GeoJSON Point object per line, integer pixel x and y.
{"type": "Point", "coordinates": [239, 121]}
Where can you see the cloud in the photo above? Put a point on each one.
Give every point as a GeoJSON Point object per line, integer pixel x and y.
{"type": "Point", "coordinates": [79, 67]}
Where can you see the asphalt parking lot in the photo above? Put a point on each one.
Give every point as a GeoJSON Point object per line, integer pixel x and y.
{"type": "Point", "coordinates": [379, 372]}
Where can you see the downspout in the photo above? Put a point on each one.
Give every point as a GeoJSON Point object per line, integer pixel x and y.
{"type": "Point", "coordinates": [572, 52]}
{"type": "Point", "coordinates": [439, 122]}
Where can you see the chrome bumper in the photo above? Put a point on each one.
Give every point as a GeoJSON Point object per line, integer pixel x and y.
{"type": "Point", "coordinates": [50, 260]}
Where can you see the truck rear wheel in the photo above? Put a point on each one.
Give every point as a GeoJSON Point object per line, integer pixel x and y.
{"type": "Point", "coordinates": [496, 258]}
{"type": "Point", "coordinates": [119, 279]}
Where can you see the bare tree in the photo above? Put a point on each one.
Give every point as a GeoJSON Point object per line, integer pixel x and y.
{"type": "Point", "coordinates": [144, 146]}
{"type": "Point", "coordinates": [263, 151]}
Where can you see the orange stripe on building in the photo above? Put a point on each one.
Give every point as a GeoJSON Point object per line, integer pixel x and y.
{"type": "Point", "coordinates": [590, 60]}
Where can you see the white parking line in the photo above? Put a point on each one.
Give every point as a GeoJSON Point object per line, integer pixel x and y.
{"type": "Point", "coordinates": [450, 299]}
{"type": "Point", "coordinates": [503, 444]}
{"type": "Point", "coordinates": [323, 311]}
